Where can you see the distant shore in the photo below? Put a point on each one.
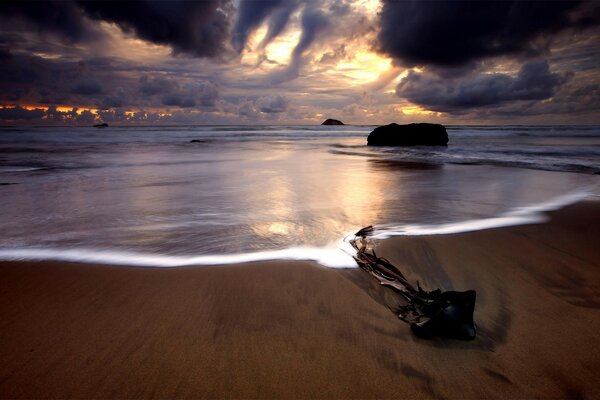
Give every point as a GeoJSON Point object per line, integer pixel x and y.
{"type": "Point", "coordinates": [299, 330]}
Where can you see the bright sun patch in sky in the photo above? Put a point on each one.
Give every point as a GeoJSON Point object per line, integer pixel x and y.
{"type": "Point", "coordinates": [280, 49]}
{"type": "Point", "coordinates": [365, 67]}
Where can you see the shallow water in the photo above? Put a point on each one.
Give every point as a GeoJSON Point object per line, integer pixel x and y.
{"type": "Point", "coordinates": [124, 194]}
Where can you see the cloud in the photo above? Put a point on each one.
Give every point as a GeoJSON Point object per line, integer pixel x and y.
{"type": "Point", "coordinates": [116, 100]}
{"type": "Point", "coordinates": [533, 82]}
{"type": "Point", "coordinates": [32, 79]}
{"type": "Point", "coordinates": [18, 113]}
{"type": "Point", "coordinates": [63, 18]}
{"type": "Point", "coordinates": [180, 91]}
{"type": "Point", "coordinates": [272, 104]}
{"type": "Point", "coordinates": [202, 94]}
{"type": "Point", "coordinates": [198, 28]}
{"type": "Point", "coordinates": [87, 87]}
{"type": "Point", "coordinates": [252, 13]}
{"type": "Point", "coordinates": [99, 83]}
{"type": "Point", "coordinates": [278, 21]}
{"type": "Point", "coordinates": [334, 56]}
{"type": "Point", "coordinates": [454, 33]}
{"type": "Point", "coordinates": [154, 85]}
{"type": "Point", "coordinates": [314, 22]}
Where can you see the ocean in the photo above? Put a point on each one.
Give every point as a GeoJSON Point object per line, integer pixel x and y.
{"type": "Point", "coordinates": [148, 196]}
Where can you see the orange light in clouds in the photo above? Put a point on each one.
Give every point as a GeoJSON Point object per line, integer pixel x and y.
{"type": "Point", "coordinates": [417, 110]}
{"type": "Point", "coordinates": [58, 108]}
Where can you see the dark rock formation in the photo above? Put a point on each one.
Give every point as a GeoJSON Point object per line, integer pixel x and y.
{"type": "Point", "coordinates": [197, 141]}
{"type": "Point", "coordinates": [409, 135]}
{"type": "Point", "coordinates": [332, 122]}
{"type": "Point", "coordinates": [102, 125]}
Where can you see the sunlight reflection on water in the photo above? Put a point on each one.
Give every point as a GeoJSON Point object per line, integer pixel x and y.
{"type": "Point", "coordinates": [233, 197]}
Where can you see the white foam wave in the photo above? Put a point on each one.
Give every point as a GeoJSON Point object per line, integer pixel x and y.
{"type": "Point", "coordinates": [520, 216]}
{"type": "Point", "coordinates": [338, 256]}
{"type": "Point", "coordinates": [18, 169]}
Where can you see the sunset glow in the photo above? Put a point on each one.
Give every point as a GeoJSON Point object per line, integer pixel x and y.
{"type": "Point", "coordinates": [364, 61]}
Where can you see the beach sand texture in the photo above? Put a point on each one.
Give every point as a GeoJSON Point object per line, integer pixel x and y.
{"type": "Point", "coordinates": [299, 330]}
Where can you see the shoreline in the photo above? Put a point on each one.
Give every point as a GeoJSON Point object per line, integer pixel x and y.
{"type": "Point", "coordinates": [297, 329]}
{"type": "Point", "coordinates": [338, 255]}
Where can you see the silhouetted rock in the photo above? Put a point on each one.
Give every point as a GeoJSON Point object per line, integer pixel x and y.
{"type": "Point", "coordinates": [409, 135]}
{"type": "Point", "coordinates": [197, 141]}
{"type": "Point", "coordinates": [332, 122]}
{"type": "Point", "coordinates": [102, 125]}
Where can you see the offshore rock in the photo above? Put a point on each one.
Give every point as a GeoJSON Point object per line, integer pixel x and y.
{"type": "Point", "coordinates": [332, 122]}
{"type": "Point", "coordinates": [409, 135]}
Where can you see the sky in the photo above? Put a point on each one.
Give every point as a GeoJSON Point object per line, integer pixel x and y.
{"type": "Point", "coordinates": [370, 62]}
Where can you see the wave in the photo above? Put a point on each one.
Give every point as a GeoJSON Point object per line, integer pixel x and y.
{"type": "Point", "coordinates": [337, 255]}
{"type": "Point", "coordinates": [11, 169]}
{"type": "Point", "coordinates": [533, 214]}
{"type": "Point", "coordinates": [567, 160]}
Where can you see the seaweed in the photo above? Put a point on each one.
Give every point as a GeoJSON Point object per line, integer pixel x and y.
{"type": "Point", "coordinates": [429, 313]}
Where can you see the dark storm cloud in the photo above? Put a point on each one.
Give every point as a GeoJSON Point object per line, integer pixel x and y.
{"type": "Point", "coordinates": [453, 33]}
{"type": "Point", "coordinates": [202, 94]}
{"type": "Point", "coordinates": [87, 87]}
{"type": "Point", "coordinates": [63, 18]}
{"type": "Point", "coordinates": [278, 21]}
{"type": "Point", "coordinates": [314, 22]}
{"type": "Point", "coordinates": [155, 85]}
{"type": "Point", "coordinates": [117, 99]}
{"type": "Point", "coordinates": [534, 81]}
{"type": "Point", "coordinates": [252, 13]}
{"type": "Point", "coordinates": [18, 113]}
{"type": "Point", "coordinates": [97, 83]}
{"type": "Point", "coordinates": [277, 13]}
{"type": "Point", "coordinates": [179, 99]}
{"type": "Point", "coordinates": [199, 28]}
{"type": "Point", "coordinates": [30, 79]}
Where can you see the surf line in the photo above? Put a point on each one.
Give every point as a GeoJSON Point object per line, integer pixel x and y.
{"type": "Point", "coordinates": [336, 255]}
{"type": "Point", "coordinates": [533, 214]}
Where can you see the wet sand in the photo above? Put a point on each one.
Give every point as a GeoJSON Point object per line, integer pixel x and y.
{"type": "Point", "coordinates": [298, 330]}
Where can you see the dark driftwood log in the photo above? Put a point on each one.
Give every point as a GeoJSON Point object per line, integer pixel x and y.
{"type": "Point", "coordinates": [430, 314]}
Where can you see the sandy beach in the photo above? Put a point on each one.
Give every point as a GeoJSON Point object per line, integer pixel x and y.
{"type": "Point", "coordinates": [299, 330]}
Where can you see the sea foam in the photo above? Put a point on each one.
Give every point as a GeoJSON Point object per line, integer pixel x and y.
{"type": "Point", "coordinates": [336, 255]}
{"type": "Point", "coordinates": [519, 216]}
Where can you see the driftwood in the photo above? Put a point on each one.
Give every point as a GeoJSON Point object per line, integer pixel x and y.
{"type": "Point", "coordinates": [434, 313]}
